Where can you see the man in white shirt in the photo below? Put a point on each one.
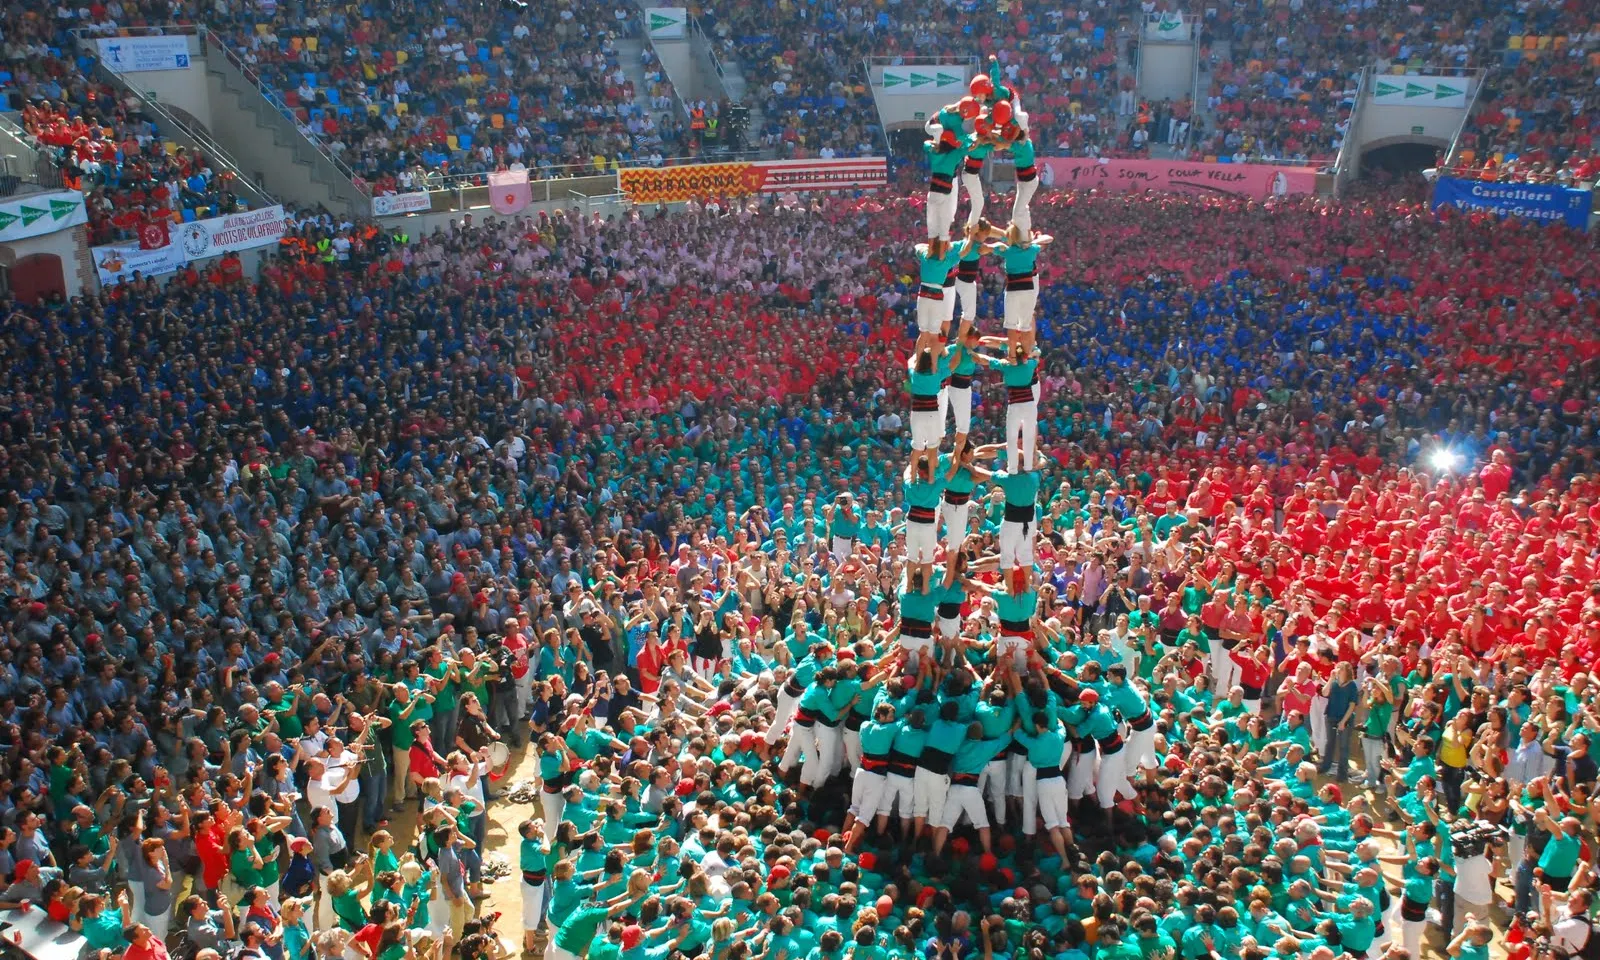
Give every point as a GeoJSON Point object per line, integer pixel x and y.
{"type": "Point", "coordinates": [1571, 926]}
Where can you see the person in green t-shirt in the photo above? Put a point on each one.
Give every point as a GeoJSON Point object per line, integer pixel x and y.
{"type": "Point", "coordinates": [1375, 728]}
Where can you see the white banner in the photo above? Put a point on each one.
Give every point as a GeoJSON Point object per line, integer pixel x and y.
{"type": "Point", "coordinates": [1412, 91]}
{"type": "Point", "coordinates": [141, 54]}
{"type": "Point", "coordinates": [237, 231]}
{"type": "Point", "coordinates": [1169, 26]}
{"type": "Point", "coordinates": [665, 23]}
{"type": "Point", "coordinates": [119, 262]}
{"type": "Point", "coordinates": [923, 80]}
{"type": "Point", "coordinates": [395, 204]}
{"type": "Point", "coordinates": [40, 214]}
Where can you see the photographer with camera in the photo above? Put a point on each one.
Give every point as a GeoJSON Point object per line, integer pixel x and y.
{"type": "Point", "coordinates": [1477, 867]}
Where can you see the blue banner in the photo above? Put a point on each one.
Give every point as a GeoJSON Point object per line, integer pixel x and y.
{"type": "Point", "coordinates": [1529, 201]}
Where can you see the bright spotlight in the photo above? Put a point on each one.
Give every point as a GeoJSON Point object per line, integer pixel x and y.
{"type": "Point", "coordinates": [1444, 460]}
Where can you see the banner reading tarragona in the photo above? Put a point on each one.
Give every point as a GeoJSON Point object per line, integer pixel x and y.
{"type": "Point", "coordinates": [1258, 180]}
{"type": "Point", "coordinates": [701, 180]}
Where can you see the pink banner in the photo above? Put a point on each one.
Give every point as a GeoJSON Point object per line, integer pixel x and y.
{"type": "Point", "coordinates": [1259, 180]}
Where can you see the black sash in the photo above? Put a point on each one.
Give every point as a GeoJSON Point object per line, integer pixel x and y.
{"type": "Point", "coordinates": [874, 764]}
{"type": "Point", "coordinates": [1111, 744]}
{"type": "Point", "coordinates": [922, 514]}
{"type": "Point", "coordinates": [973, 165]}
{"type": "Point", "coordinates": [924, 404]}
{"type": "Point", "coordinates": [1018, 512]}
{"type": "Point", "coordinates": [1016, 626]}
{"type": "Point", "coordinates": [1020, 395]}
{"type": "Point", "coordinates": [967, 270]}
{"type": "Point", "coordinates": [957, 497]}
{"type": "Point", "coordinates": [1019, 281]}
{"type": "Point", "coordinates": [1024, 174]}
{"type": "Point", "coordinates": [931, 291]}
{"type": "Point", "coordinates": [960, 381]}
{"type": "Point", "coordinates": [940, 182]}
{"type": "Point", "coordinates": [963, 779]}
{"type": "Point", "coordinates": [533, 878]}
{"type": "Point", "coordinates": [1046, 773]}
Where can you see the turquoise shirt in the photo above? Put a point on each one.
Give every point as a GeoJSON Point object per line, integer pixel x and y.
{"type": "Point", "coordinates": [1020, 489]}
{"type": "Point", "coordinates": [1020, 259]}
{"type": "Point", "coordinates": [932, 271]}
{"type": "Point", "coordinates": [928, 384]}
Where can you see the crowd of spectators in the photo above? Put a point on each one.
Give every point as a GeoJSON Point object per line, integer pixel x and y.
{"type": "Point", "coordinates": [106, 146]}
{"type": "Point", "coordinates": [234, 504]}
{"type": "Point", "coordinates": [389, 86]}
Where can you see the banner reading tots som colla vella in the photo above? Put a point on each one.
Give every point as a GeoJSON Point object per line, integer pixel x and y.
{"type": "Point", "coordinates": [1529, 201]}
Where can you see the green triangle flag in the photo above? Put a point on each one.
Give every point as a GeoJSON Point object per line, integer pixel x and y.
{"type": "Point", "coordinates": [1413, 90]}
{"type": "Point", "coordinates": [1384, 89]}
{"type": "Point", "coordinates": [1443, 92]}
{"type": "Point", "coordinates": [892, 79]}
{"type": "Point", "coordinates": [945, 78]}
{"type": "Point", "coordinates": [657, 21]}
{"type": "Point", "coordinates": [31, 215]}
{"type": "Point", "coordinates": [62, 208]}
{"type": "Point", "coordinates": [918, 80]}
{"type": "Point", "coordinates": [6, 220]}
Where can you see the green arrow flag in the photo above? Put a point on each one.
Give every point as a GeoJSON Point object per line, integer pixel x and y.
{"type": "Point", "coordinates": [62, 208]}
{"type": "Point", "coordinates": [918, 80]}
{"type": "Point", "coordinates": [31, 215]}
{"type": "Point", "coordinates": [6, 220]}
{"type": "Point", "coordinates": [1385, 89]}
{"type": "Point", "coordinates": [893, 79]}
{"type": "Point", "coordinates": [1414, 90]}
{"type": "Point", "coordinates": [1444, 93]}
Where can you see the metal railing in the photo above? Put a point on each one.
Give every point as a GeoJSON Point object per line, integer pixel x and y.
{"type": "Point", "coordinates": [925, 61]}
{"type": "Point", "coordinates": [1461, 128]}
{"type": "Point", "coordinates": [35, 161]}
{"type": "Point", "coordinates": [1345, 162]}
{"type": "Point", "coordinates": [328, 159]}
{"type": "Point", "coordinates": [188, 134]}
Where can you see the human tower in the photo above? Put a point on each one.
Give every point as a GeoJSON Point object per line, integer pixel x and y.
{"type": "Point", "coordinates": [926, 742]}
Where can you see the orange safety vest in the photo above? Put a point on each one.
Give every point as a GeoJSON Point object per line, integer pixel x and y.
{"type": "Point", "coordinates": [697, 119]}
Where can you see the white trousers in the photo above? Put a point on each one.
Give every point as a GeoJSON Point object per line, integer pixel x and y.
{"type": "Point", "coordinates": [973, 184]}
{"type": "Point", "coordinates": [957, 523]}
{"type": "Point", "coordinates": [802, 745]}
{"type": "Point", "coordinates": [967, 299]}
{"type": "Point", "coordinates": [1224, 672]}
{"type": "Point", "coordinates": [927, 429]}
{"type": "Point", "coordinates": [849, 754]}
{"type": "Point", "coordinates": [819, 764]}
{"type": "Point", "coordinates": [962, 799]}
{"type": "Point", "coordinates": [897, 792]}
{"type": "Point", "coordinates": [842, 547]}
{"type": "Point", "coordinates": [928, 791]}
{"type": "Point", "coordinates": [533, 898]}
{"type": "Point", "coordinates": [948, 304]}
{"type": "Point", "coordinates": [920, 541]}
{"type": "Point", "coordinates": [1113, 778]}
{"type": "Point", "coordinates": [941, 213]}
{"type": "Point", "coordinates": [1081, 775]}
{"type": "Point", "coordinates": [959, 400]}
{"type": "Point", "coordinates": [1020, 305]}
{"type": "Point", "coordinates": [867, 793]}
{"type": "Point", "coordinates": [1142, 747]}
{"type": "Point", "coordinates": [1016, 544]}
{"type": "Point", "coordinates": [1022, 435]}
{"type": "Point", "coordinates": [1021, 209]}
{"type": "Point", "coordinates": [993, 784]}
{"type": "Point", "coordinates": [1051, 794]}
{"type": "Point", "coordinates": [553, 804]}
{"type": "Point", "coordinates": [785, 713]}
{"type": "Point", "coordinates": [930, 314]}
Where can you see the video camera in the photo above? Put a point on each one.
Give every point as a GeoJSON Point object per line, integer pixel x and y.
{"type": "Point", "coordinates": [1473, 840]}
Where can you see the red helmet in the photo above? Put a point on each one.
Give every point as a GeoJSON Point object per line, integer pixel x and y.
{"type": "Point", "coordinates": [981, 86]}
{"type": "Point", "coordinates": [984, 127]}
{"type": "Point", "coordinates": [1000, 113]}
{"type": "Point", "coordinates": [968, 108]}
{"type": "Point", "coordinates": [1089, 695]}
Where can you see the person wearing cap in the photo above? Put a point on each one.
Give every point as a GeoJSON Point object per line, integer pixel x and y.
{"type": "Point", "coordinates": [1093, 720]}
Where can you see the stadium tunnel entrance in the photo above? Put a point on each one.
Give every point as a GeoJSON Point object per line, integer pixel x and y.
{"type": "Point", "coordinates": [1399, 159]}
